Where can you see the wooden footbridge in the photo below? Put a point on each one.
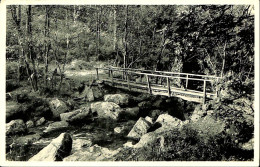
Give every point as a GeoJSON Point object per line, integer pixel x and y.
{"type": "Point", "coordinates": [191, 87]}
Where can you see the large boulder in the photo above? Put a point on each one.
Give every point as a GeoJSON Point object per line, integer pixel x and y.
{"type": "Point", "coordinates": [56, 126]}
{"type": "Point", "coordinates": [76, 115]}
{"type": "Point", "coordinates": [29, 124]}
{"type": "Point", "coordinates": [141, 97]}
{"type": "Point", "coordinates": [150, 137]}
{"type": "Point", "coordinates": [42, 142]}
{"type": "Point", "coordinates": [145, 105]}
{"type": "Point", "coordinates": [197, 114]}
{"type": "Point", "coordinates": [56, 150]}
{"type": "Point", "coordinates": [27, 139]}
{"type": "Point", "coordinates": [158, 134]}
{"type": "Point", "coordinates": [98, 93]}
{"type": "Point", "coordinates": [154, 114]}
{"type": "Point", "coordinates": [88, 94]}
{"type": "Point", "coordinates": [91, 93]}
{"type": "Point", "coordinates": [120, 99]}
{"type": "Point", "coordinates": [168, 124]}
{"type": "Point", "coordinates": [159, 103]}
{"type": "Point", "coordinates": [124, 128]}
{"type": "Point", "coordinates": [168, 120]}
{"type": "Point", "coordinates": [130, 112]}
{"type": "Point", "coordinates": [16, 127]}
{"type": "Point", "coordinates": [43, 110]}
{"type": "Point", "coordinates": [13, 111]}
{"type": "Point", "coordinates": [93, 153]}
{"type": "Point", "coordinates": [140, 128]}
{"type": "Point", "coordinates": [20, 145]}
{"type": "Point", "coordinates": [119, 129]}
{"type": "Point", "coordinates": [40, 121]}
{"type": "Point", "coordinates": [78, 144]}
{"type": "Point", "coordinates": [57, 107]}
{"type": "Point", "coordinates": [106, 110]}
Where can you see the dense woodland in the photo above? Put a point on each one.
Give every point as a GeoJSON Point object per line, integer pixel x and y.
{"type": "Point", "coordinates": [212, 40]}
{"type": "Point", "coordinates": [42, 41]}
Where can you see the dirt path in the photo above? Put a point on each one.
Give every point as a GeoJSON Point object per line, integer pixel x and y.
{"type": "Point", "coordinates": [70, 73]}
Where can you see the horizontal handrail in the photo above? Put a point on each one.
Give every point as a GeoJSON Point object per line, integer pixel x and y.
{"type": "Point", "coordinates": [167, 72]}
{"type": "Point", "coordinates": [190, 74]}
{"type": "Point", "coordinates": [157, 75]}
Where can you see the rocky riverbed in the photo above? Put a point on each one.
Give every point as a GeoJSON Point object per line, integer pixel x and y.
{"type": "Point", "coordinates": [98, 123]}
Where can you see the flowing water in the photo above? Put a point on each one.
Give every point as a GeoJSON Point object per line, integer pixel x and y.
{"type": "Point", "coordinates": [98, 132]}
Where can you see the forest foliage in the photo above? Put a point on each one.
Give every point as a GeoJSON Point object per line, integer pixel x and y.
{"type": "Point", "coordinates": [202, 39]}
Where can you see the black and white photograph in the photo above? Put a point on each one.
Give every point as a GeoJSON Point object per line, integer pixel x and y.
{"type": "Point", "coordinates": [131, 82]}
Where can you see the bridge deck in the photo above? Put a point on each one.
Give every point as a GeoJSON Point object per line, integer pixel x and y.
{"type": "Point", "coordinates": [165, 89]}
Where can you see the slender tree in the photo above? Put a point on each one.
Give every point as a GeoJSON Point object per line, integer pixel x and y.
{"type": "Point", "coordinates": [46, 42]}
{"type": "Point", "coordinates": [16, 15]}
{"type": "Point", "coordinates": [125, 37]}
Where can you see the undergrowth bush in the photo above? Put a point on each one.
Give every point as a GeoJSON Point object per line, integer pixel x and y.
{"type": "Point", "coordinates": [188, 145]}
{"type": "Point", "coordinates": [22, 152]}
{"type": "Point", "coordinates": [11, 70]}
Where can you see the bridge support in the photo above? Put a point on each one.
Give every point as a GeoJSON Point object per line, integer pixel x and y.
{"type": "Point", "coordinates": [112, 77]}
{"type": "Point", "coordinates": [187, 79]}
{"type": "Point", "coordinates": [169, 86]}
{"type": "Point", "coordinates": [148, 84]}
{"type": "Point", "coordinates": [204, 92]}
{"type": "Point", "coordinates": [97, 74]}
{"type": "Point", "coordinates": [128, 80]}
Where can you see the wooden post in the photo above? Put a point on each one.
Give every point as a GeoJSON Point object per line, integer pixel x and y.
{"type": "Point", "coordinates": [97, 73]}
{"type": "Point", "coordinates": [187, 81]}
{"type": "Point", "coordinates": [128, 79]}
{"type": "Point", "coordinates": [169, 86]}
{"type": "Point", "coordinates": [217, 90]}
{"type": "Point", "coordinates": [112, 77]}
{"type": "Point", "coordinates": [204, 92]}
{"type": "Point", "coordinates": [122, 74]}
{"type": "Point", "coordinates": [109, 72]}
{"type": "Point", "coordinates": [148, 84]}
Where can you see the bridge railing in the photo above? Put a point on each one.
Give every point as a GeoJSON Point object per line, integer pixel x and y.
{"type": "Point", "coordinates": [169, 80]}
{"type": "Point", "coordinates": [166, 72]}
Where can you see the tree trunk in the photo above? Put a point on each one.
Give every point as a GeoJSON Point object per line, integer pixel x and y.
{"type": "Point", "coordinates": [16, 15]}
{"type": "Point", "coordinates": [62, 69]}
{"type": "Point", "coordinates": [97, 32]}
{"type": "Point", "coordinates": [125, 37]}
{"type": "Point", "coordinates": [84, 45]}
{"type": "Point", "coordinates": [115, 29]}
{"type": "Point", "coordinates": [75, 17]}
{"type": "Point", "coordinates": [67, 41]}
{"type": "Point", "coordinates": [152, 45]}
{"type": "Point", "coordinates": [46, 45]}
{"type": "Point", "coordinates": [20, 43]}
{"type": "Point", "coordinates": [158, 64]}
{"type": "Point", "coordinates": [115, 36]}
{"type": "Point", "coordinates": [224, 59]}
{"type": "Point", "coordinates": [34, 78]}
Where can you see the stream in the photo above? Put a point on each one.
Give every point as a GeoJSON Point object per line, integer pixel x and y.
{"type": "Point", "coordinates": [98, 131]}
{"type": "Point", "coordinates": [100, 134]}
